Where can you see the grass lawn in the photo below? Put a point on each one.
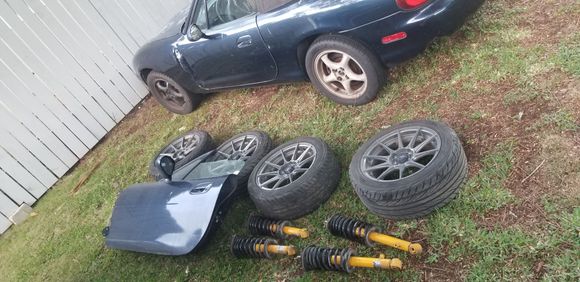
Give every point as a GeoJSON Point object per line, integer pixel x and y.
{"type": "Point", "coordinates": [508, 82]}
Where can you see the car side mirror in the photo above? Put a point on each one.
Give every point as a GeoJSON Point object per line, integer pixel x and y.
{"type": "Point", "coordinates": [194, 33]}
{"type": "Point", "coordinates": [166, 166]}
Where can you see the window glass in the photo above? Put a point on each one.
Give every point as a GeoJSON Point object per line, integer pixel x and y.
{"type": "Point", "coordinates": [217, 12]}
{"type": "Point", "coordinates": [201, 15]}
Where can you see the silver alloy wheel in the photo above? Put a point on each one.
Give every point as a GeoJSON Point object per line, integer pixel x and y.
{"type": "Point", "coordinates": [181, 147]}
{"type": "Point", "coordinates": [401, 154]}
{"type": "Point", "coordinates": [341, 74]}
{"type": "Point", "coordinates": [286, 166]}
{"type": "Point", "coordinates": [240, 148]}
{"type": "Point", "coordinates": [169, 93]}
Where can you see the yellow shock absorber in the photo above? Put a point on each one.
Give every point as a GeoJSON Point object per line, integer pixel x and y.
{"type": "Point", "coordinates": [383, 239]}
{"type": "Point", "coordinates": [292, 231]}
{"type": "Point", "coordinates": [365, 262]}
{"type": "Point", "coordinates": [277, 249]}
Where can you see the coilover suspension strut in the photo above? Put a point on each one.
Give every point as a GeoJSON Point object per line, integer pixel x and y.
{"type": "Point", "coordinates": [343, 260]}
{"type": "Point", "coordinates": [368, 234]}
{"type": "Point", "coordinates": [260, 226]}
{"type": "Point", "coordinates": [246, 247]}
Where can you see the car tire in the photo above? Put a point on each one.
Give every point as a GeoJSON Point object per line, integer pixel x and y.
{"type": "Point", "coordinates": [362, 72]}
{"type": "Point", "coordinates": [203, 144]}
{"type": "Point", "coordinates": [434, 168]}
{"type": "Point", "coordinates": [251, 146]}
{"type": "Point", "coordinates": [171, 95]}
{"type": "Point", "coordinates": [313, 169]}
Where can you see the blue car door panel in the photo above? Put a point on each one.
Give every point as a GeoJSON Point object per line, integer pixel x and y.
{"type": "Point", "coordinates": [232, 54]}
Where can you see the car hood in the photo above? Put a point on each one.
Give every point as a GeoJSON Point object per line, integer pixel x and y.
{"type": "Point", "coordinates": [174, 25]}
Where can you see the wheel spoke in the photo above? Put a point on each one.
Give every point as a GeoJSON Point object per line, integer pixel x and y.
{"type": "Point", "coordinates": [401, 172]}
{"type": "Point", "coordinates": [414, 139]}
{"type": "Point", "coordinates": [378, 158]}
{"type": "Point", "coordinates": [377, 167]}
{"type": "Point", "coordinates": [400, 140]}
{"type": "Point", "coordinates": [387, 148]}
{"type": "Point", "coordinates": [303, 154]}
{"type": "Point", "coordinates": [424, 154]}
{"type": "Point", "coordinates": [294, 154]}
{"type": "Point", "coordinates": [355, 76]}
{"type": "Point", "coordinates": [272, 173]}
{"type": "Point", "coordinates": [347, 86]}
{"type": "Point", "coordinates": [271, 180]}
{"type": "Point", "coordinates": [251, 142]}
{"type": "Point", "coordinates": [273, 165]}
{"type": "Point", "coordinates": [385, 173]}
{"type": "Point", "coordinates": [278, 183]}
{"type": "Point", "coordinates": [415, 164]}
{"type": "Point", "coordinates": [328, 78]}
{"type": "Point", "coordinates": [284, 157]}
{"type": "Point", "coordinates": [227, 156]}
{"type": "Point", "coordinates": [344, 61]}
{"type": "Point", "coordinates": [328, 62]}
{"type": "Point", "coordinates": [300, 170]}
{"type": "Point", "coordinates": [250, 151]}
{"type": "Point", "coordinates": [305, 161]}
{"type": "Point", "coordinates": [424, 143]}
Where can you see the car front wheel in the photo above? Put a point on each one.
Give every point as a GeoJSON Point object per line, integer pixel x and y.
{"type": "Point", "coordinates": [172, 95]}
{"type": "Point", "coordinates": [344, 70]}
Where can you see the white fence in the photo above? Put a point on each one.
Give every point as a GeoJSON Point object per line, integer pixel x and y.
{"type": "Point", "coordinates": [66, 79]}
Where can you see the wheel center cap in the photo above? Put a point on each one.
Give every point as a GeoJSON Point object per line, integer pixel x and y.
{"type": "Point", "coordinates": [287, 169]}
{"type": "Point", "coordinates": [401, 157]}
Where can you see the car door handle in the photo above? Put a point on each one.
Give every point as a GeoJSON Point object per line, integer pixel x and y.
{"type": "Point", "coordinates": [245, 41]}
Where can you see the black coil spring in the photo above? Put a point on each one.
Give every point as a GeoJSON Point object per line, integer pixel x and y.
{"type": "Point", "coordinates": [245, 247]}
{"type": "Point", "coordinates": [260, 226]}
{"type": "Point", "coordinates": [350, 229]}
{"type": "Point", "coordinates": [327, 259]}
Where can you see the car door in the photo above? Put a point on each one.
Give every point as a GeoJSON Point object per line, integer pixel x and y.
{"type": "Point", "coordinates": [232, 52]}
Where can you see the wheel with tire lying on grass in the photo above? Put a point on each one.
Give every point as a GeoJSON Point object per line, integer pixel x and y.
{"type": "Point", "coordinates": [294, 179]}
{"type": "Point", "coordinates": [250, 147]}
{"type": "Point", "coordinates": [344, 70]}
{"type": "Point", "coordinates": [183, 149]}
{"type": "Point", "coordinates": [409, 170]}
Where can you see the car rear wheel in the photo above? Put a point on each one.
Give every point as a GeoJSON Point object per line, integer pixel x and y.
{"type": "Point", "coordinates": [172, 95]}
{"type": "Point", "coordinates": [344, 70]}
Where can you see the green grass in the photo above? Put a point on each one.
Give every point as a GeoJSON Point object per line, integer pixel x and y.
{"type": "Point", "coordinates": [455, 81]}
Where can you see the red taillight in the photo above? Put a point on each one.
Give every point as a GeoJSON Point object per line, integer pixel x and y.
{"type": "Point", "coordinates": [410, 4]}
{"type": "Point", "coordinates": [394, 37]}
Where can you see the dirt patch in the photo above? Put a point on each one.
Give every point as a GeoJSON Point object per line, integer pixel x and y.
{"type": "Point", "coordinates": [259, 97]}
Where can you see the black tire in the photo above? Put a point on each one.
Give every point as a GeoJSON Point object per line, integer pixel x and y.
{"type": "Point", "coordinates": [179, 101]}
{"type": "Point", "coordinates": [254, 154]}
{"type": "Point", "coordinates": [422, 190]}
{"type": "Point", "coordinates": [363, 60]}
{"type": "Point", "coordinates": [308, 190]}
{"type": "Point", "coordinates": [204, 144]}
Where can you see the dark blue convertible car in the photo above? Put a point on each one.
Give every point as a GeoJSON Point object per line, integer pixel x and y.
{"type": "Point", "coordinates": [342, 46]}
